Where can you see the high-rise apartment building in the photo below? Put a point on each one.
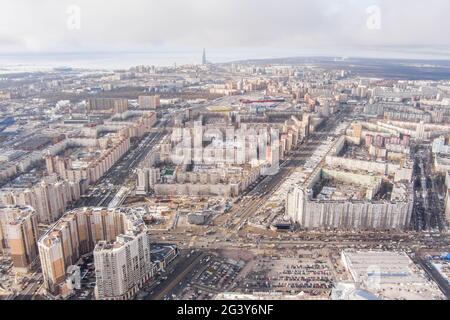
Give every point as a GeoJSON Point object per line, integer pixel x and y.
{"type": "Point", "coordinates": [149, 102]}
{"type": "Point", "coordinates": [357, 130]}
{"type": "Point", "coordinates": [147, 178]}
{"type": "Point", "coordinates": [122, 266]}
{"type": "Point", "coordinates": [19, 235]}
{"type": "Point", "coordinates": [49, 197]}
{"type": "Point", "coordinates": [113, 105]}
{"type": "Point", "coordinates": [78, 232]}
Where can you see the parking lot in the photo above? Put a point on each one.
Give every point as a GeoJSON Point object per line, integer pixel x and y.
{"type": "Point", "coordinates": [291, 273]}
{"type": "Point", "coordinates": [211, 274]}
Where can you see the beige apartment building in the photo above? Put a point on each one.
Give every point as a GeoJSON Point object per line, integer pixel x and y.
{"type": "Point", "coordinates": [149, 102]}
{"type": "Point", "coordinates": [78, 232]}
{"type": "Point", "coordinates": [18, 235]}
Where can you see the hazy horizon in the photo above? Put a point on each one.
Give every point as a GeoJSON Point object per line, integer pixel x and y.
{"type": "Point", "coordinates": [124, 60]}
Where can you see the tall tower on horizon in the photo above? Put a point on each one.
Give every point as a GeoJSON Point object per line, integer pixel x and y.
{"type": "Point", "coordinates": [204, 56]}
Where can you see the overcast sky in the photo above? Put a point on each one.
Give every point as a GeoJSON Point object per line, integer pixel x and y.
{"type": "Point", "coordinates": [278, 27]}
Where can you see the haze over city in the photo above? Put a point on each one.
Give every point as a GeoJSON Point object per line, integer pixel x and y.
{"type": "Point", "coordinates": [241, 29]}
{"type": "Point", "coordinates": [247, 151]}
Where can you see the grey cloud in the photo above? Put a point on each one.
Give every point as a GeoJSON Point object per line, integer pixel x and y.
{"type": "Point", "coordinates": [285, 25]}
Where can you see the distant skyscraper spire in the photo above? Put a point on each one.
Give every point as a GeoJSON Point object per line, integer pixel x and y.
{"type": "Point", "coordinates": [204, 56]}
